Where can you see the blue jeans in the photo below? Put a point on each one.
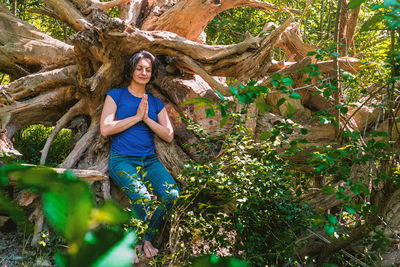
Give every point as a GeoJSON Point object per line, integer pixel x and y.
{"type": "Point", "coordinates": [124, 172]}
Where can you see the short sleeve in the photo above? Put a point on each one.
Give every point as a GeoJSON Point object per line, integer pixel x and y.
{"type": "Point", "coordinates": [115, 94]}
{"type": "Point", "coordinates": [159, 104]}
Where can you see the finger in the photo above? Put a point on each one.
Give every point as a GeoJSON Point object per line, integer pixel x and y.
{"type": "Point", "coordinates": [147, 252]}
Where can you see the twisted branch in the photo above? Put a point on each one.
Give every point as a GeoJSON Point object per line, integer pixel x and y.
{"type": "Point", "coordinates": [77, 109]}
{"type": "Point", "coordinates": [81, 145]}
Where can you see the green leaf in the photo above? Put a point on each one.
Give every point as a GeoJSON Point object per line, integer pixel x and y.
{"type": "Point", "coordinates": [251, 83]}
{"type": "Point", "coordinates": [329, 229]}
{"type": "Point", "coordinates": [305, 70]}
{"type": "Point", "coordinates": [223, 121]}
{"type": "Point", "coordinates": [280, 102]}
{"type": "Point", "coordinates": [314, 73]}
{"type": "Point", "coordinates": [276, 76]}
{"type": "Point", "coordinates": [210, 112]}
{"type": "Point", "coordinates": [311, 53]}
{"type": "Point", "coordinates": [215, 261]}
{"type": "Point", "coordinates": [347, 76]}
{"type": "Point", "coordinates": [55, 209]}
{"type": "Point", "coordinates": [102, 247]}
{"type": "Point", "coordinates": [220, 95]}
{"type": "Point", "coordinates": [43, 179]}
{"type": "Point", "coordinates": [376, 6]}
{"type": "Point", "coordinates": [291, 110]}
{"type": "Point", "coordinates": [243, 99]}
{"type": "Point", "coordinates": [361, 187]}
{"type": "Point", "coordinates": [321, 167]}
{"type": "Point", "coordinates": [340, 195]}
{"type": "Point", "coordinates": [328, 190]}
{"type": "Point", "coordinates": [327, 93]}
{"type": "Point", "coordinates": [234, 90]}
{"type": "Point", "coordinates": [262, 107]}
{"type": "Point", "coordinates": [265, 136]}
{"type": "Point", "coordinates": [371, 22]}
{"type": "Point", "coordinates": [11, 169]}
{"type": "Point", "coordinates": [295, 95]}
{"type": "Point", "coordinates": [109, 213]}
{"type": "Point", "coordinates": [323, 120]}
{"type": "Point", "coordinates": [120, 255]}
{"type": "Point", "coordinates": [275, 83]}
{"type": "Point", "coordinates": [332, 219]}
{"type": "Point", "coordinates": [222, 108]}
{"type": "Point", "coordinates": [355, 3]}
{"type": "Point", "coordinates": [344, 110]}
{"type": "Point", "coordinates": [334, 54]}
{"type": "Point", "coordinates": [388, 3]}
{"type": "Point", "coordinates": [304, 131]}
{"type": "Point", "coordinates": [68, 209]}
{"type": "Point", "coordinates": [287, 81]}
{"type": "Point", "coordinates": [350, 210]}
{"type": "Point", "coordinates": [198, 100]}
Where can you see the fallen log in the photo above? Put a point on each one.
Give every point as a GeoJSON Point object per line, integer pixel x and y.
{"type": "Point", "coordinates": [87, 175]}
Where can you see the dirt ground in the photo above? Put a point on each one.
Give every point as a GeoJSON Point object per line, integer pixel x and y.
{"type": "Point", "coordinates": [15, 249]}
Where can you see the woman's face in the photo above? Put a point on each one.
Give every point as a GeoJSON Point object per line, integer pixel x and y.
{"type": "Point", "coordinates": [142, 73]}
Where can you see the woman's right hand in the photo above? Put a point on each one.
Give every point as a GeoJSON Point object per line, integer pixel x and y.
{"type": "Point", "coordinates": [142, 109]}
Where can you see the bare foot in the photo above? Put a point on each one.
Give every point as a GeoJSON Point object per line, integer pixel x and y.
{"type": "Point", "coordinates": [149, 250]}
{"type": "Point", "coordinates": [137, 254]}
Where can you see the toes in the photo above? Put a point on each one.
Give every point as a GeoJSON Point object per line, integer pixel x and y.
{"type": "Point", "coordinates": [147, 252]}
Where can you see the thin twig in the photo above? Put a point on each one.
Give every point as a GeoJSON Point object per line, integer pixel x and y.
{"type": "Point", "coordinates": [363, 104]}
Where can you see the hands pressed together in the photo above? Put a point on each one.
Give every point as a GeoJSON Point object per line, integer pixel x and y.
{"type": "Point", "coordinates": [143, 109]}
{"type": "Point", "coordinates": [161, 126]}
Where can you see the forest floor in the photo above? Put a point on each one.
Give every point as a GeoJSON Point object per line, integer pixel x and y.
{"type": "Point", "coordinates": [16, 250]}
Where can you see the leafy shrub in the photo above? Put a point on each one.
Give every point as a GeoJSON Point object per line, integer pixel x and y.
{"type": "Point", "coordinates": [31, 140]}
{"type": "Point", "coordinates": [243, 203]}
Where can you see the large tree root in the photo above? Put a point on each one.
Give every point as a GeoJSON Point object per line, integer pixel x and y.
{"type": "Point", "coordinates": [81, 145]}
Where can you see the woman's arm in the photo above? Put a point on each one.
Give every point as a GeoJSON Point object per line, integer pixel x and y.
{"type": "Point", "coordinates": [110, 126]}
{"type": "Point", "coordinates": [163, 128]}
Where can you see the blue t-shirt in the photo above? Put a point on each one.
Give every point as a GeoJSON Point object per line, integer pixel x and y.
{"type": "Point", "coordinates": [138, 139]}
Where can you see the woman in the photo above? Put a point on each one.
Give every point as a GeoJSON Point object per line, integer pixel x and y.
{"type": "Point", "coordinates": [131, 116]}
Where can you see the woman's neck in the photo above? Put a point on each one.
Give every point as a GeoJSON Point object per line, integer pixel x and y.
{"type": "Point", "coordinates": [137, 89]}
